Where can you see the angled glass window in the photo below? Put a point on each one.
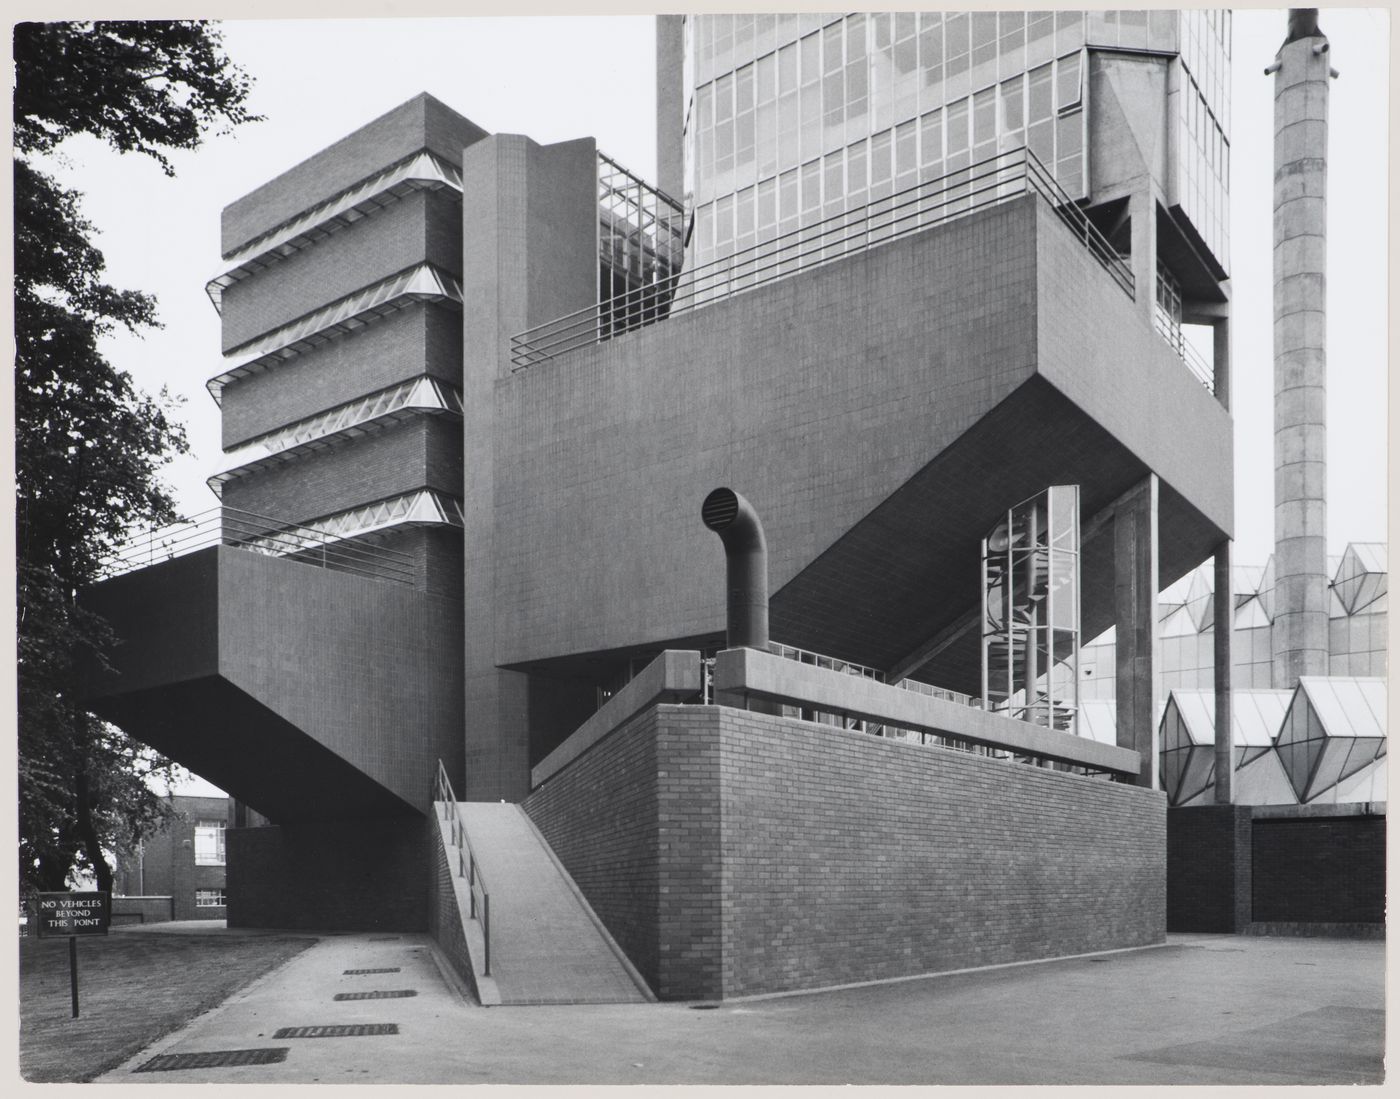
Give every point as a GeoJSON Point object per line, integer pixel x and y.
{"type": "Point", "coordinates": [423, 283]}
{"type": "Point", "coordinates": [374, 412]}
{"type": "Point", "coordinates": [1360, 578]}
{"type": "Point", "coordinates": [422, 508]}
{"type": "Point", "coordinates": [1335, 727]}
{"type": "Point", "coordinates": [423, 171]}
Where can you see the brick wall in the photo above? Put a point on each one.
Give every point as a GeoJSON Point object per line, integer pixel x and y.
{"type": "Point", "coordinates": [437, 557]}
{"type": "Point", "coordinates": [419, 452]}
{"type": "Point", "coordinates": [346, 875]}
{"type": "Point", "coordinates": [128, 909]}
{"type": "Point", "coordinates": [370, 670]}
{"type": "Point", "coordinates": [421, 123]}
{"type": "Point", "coordinates": [1208, 868]}
{"type": "Point", "coordinates": [771, 854]}
{"type": "Point", "coordinates": [816, 397]}
{"type": "Point", "coordinates": [1319, 870]}
{"type": "Point", "coordinates": [166, 866]}
{"type": "Point", "coordinates": [601, 817]}
{"type": "Point", "coordinates": [444, 913]}
{"type": "Point", "coordinates": [421, 339]}
{"type": "Point", "coordinates": [421, 226]}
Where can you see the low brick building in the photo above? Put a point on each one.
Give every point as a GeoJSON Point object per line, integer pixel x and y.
{"type": "Point", "coordinates": [183, 864]}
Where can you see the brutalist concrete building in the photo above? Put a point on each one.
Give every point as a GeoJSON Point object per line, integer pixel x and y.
{"type": "Point", "coordinates": [913, 289]}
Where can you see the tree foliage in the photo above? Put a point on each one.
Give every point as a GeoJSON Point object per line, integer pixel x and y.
{"type": "Point", "coordinates": [89, 445]}
{"type": "Point", "coordinates": [142, 87]}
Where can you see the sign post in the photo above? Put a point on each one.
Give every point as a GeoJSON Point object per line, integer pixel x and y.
{"type": "Point", "coordinates": [73, 914]}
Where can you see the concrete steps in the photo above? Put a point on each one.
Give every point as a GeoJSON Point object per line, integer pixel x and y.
{"type": "Point", "coordinates": [547, 945]}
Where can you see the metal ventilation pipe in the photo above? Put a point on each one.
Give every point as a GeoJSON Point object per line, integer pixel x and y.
{"type": "Point", "coordinates": [745, 564]}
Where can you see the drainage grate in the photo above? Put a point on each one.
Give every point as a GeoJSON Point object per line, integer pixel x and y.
{"type": "Point", "coordinates": [361, 972]}
{"type": "Point", "coordinates": [338, 1030]}
{"type": "Point", "coordinates": [390, 994]}
{"type": "Point", "coordinates": [384, 938]}
{"type": "Point", "coordinates": [220, 1058]}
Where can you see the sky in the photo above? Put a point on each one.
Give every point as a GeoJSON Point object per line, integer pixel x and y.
{"type": "Point", "coordinates": [556, 78]}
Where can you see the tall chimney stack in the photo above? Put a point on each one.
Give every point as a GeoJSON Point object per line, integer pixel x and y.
{"type": "Point", "coordinates": [1301, 72]}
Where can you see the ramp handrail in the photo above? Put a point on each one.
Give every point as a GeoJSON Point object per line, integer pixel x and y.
{"type": "Point", "coordinates": [467, 865]}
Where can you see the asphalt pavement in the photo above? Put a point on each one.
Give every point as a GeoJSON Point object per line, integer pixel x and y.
{"type": "Point", "coordinates": [1201, 1009]}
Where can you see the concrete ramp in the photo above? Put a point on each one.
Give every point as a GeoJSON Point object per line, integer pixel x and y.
{"type": "Point", "coordinates": [547, 945]}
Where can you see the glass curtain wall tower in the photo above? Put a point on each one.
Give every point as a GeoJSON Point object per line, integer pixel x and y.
{"type": "Point", "coordinates": [791, 119]}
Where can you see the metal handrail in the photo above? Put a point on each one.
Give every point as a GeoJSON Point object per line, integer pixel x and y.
{"type": "Point", "coordinates": [467, 865]}
{"type": "Point", "coordinates": [986, 183]}
{"type": "Point", "coordinates": [1185, 352]}
{"type": "Point", "coordinates": [229, 526]}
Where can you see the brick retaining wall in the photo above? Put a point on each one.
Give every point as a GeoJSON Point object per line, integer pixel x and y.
{"type": "Point", "coordinates": [752, 853]}
{"type": "Point", "coordinates": [1320, 870]}
{"type": "Point", "coordinates": [1276, 870]}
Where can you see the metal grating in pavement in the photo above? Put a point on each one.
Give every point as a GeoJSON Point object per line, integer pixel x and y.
{"type": "Point", "coordinates": [384, 938]}
{"type": "Point", "coordinates": [382, 994]}
{"type": "Point", "coordinates": [361, 972]}
{"type": "Point", "coordinates": [337, 1030]}
{"type": "Point", "coordinates": [219, 1058]}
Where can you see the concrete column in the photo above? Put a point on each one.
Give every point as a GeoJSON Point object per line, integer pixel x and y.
{"type": "Point", "coordinates": [1220, 340]}
{"type": "Point", "coordinates": [1300, 642]}
{"type": "Point", "coordinates": [1135, 586]}
{"type": "Point", "coordinates": [1224, 666]}
{"type": "Point", "coordinates": [1142, 208]}
{"type": "Point", "coordinates": [529, 255]}
{"type": "Point", "coordinates": [670, 104]}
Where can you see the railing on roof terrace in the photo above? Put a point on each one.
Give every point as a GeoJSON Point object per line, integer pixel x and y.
{"type": "Point", "coordinates": [933, 202]}
{"type": "Point", "coordinates": [848, 667]}
{"type": "Point", "coordinates": [227, 526]}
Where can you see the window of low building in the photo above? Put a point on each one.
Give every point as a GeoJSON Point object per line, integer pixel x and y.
{"type": "Point", "coordinates": [209, 843]}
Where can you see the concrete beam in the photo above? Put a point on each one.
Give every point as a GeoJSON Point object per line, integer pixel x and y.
{"type": "Point", "coordinates": [745, 676]}
{"type": "Point", "coordinates": [674, 676]}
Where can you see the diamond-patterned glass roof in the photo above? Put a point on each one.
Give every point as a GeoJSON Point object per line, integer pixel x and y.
{"type": "Point", "coordinates": [1335, 727]}
{"type": "Point", "coordinates": [1360, 579]}
{"type": "Point", "coordinates": [1187, 732]}
{"type": "Point", "coordinates": [1188, 767]}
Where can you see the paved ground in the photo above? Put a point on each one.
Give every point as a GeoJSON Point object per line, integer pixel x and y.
{"type": "Point", "coordinates": [134, 987]}
{"type": "Point", "coordinates": [1201, 1010]}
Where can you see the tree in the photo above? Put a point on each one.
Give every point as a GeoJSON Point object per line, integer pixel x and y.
{"type": "Point", "coordinates": [89, 445]}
